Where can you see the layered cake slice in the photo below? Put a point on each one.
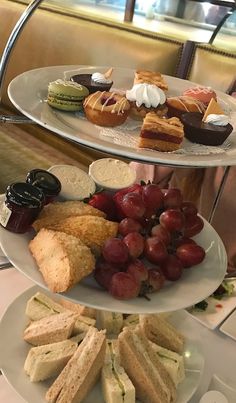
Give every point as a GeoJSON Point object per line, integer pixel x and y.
{"type": "Point", "coordinates": [161, 134]}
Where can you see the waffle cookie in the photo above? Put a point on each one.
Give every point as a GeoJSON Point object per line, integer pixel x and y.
{"type": "Point", "coordinates": [161, 134]}
{"type": "Point", "coordinates": [150, 77]}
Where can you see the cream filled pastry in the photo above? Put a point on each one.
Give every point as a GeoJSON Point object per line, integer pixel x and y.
{"type": "Point", "coordinates": [145, 98]}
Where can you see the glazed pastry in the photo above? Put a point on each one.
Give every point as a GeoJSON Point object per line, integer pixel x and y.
{"type": "Point", "coordinates": [150, 77]}
{"type": "Point", "coordinates": [211, 129]}
{"type": "Point", "coordinates": [66, 96]}
{"type": "Point", "coordinates": [146, 98]}
{"type": "Point", "coordinates": [182, 104]}
{"type": "Point", "coordinates": [106, 108]}
{"type": "Point", "coordinates": [95, 82]}
{"type": "Point", "coordinates": [161, 134]}
{"type": "Point", "coordinates": [203, 94]}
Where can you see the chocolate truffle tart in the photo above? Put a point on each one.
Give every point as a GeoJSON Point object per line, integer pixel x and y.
{"type": "Point", "coordinates": [201, 132]}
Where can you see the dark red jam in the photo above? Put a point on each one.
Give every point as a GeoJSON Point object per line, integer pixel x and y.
{"type": "Point", "coordinates": [22, 205]}
{"type": "Point", "coordinates": [47, 182]}
{"type": "Point", "coordinates": [108, 101]}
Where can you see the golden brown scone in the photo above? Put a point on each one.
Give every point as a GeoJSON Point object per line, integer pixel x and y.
{"type": "Point", "coordinates": [62, 259]}
{"type": "Point", "coordinates": [92, 231]}
{"type": "Point", "coordinates": [54, 212]}
{"type": "Point", "coordinates": [77, 308]}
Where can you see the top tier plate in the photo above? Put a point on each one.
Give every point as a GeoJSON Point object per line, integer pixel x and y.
{"type": "Point", "coordinates": [28, 92]}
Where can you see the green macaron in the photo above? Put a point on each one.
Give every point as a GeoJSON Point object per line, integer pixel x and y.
{"type": "Point", "coordinates": [66, 95]}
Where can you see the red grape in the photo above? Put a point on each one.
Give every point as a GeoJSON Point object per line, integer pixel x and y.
{"type": "Point", "coordinates": [155, 250]}
{"type": "Point", "coordinates": [124, 286]}
{"type": "Point", "coordinates": [138, 270]}
{"type": "Point", "coordinates": [133, 206]}
{"type": "Point", "coordinates": [188, 208]}
{"type": "Point", "coordinates": [172, 268]}
{"type": "Point", "coordinates": [115, 251]}
{"type": "Point", "coordinates": [152, 197]}
{"type": "Point", "coordinates": [173, 198]}
{"type": "Point", "coordinates": [161, 233]}
{"type": "Point", "coordinates": [172, 220]}
{"type": "Point", "coordinates": [183, 240]}
{"type": "Point", "coordinates": [156, 280]}
{"type": "Point", "coordinates": [118, 197]}
{"type": "Point", "coordinates": [193, 225]}
{"type": "Point", "coordinates": [103, 274]}
{"type": "Point", "coordinates": [128, 225]}
{"type": "Point", "coordinates": [190, 254]}
{"type": "Point", "coordinates": [135, 244]}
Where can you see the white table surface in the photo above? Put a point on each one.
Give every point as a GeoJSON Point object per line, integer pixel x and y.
{"type": "Point", "coordinates": [218, 349]}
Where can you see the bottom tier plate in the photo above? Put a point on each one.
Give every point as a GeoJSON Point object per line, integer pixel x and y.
{"type": "Point", "coordinates": [14, 351]}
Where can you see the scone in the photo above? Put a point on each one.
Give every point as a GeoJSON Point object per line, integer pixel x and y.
{"type": "Point", "coordinates": [161, 134]}
{"type": "Point", "coordinates": [62, 259]}
{"type": "Point", "coordinates": [182, 104]}
{"type": "Point", "coordinates": [54, 212]}
{"type": "Point", "coordinates": [107, 109]}
{"type": "Point", "coordinates": [92, 231]}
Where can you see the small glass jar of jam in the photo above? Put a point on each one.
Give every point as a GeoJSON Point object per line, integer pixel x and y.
{"type": "Point", "coordinates": [22, 205]}
{"type": "Point", "coordinates": [47, 182]}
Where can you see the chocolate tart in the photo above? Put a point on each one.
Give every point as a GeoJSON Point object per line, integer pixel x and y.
{"type": "Point", "coordinates": [204, 133]}
{"type": "Point", "coordinates": [92, 86]}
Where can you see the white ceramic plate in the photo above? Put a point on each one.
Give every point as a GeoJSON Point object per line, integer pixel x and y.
{"type": "Point", "coordinates": [14, 351]}
{"type": "Point", "coordinates": [216, 311]}
{"type": "Point", "coordinates": [28, 93]}
{"type": "Point", "coordinates": [196, 283]}
{"type": "Point", "coordinates": [229, 326]}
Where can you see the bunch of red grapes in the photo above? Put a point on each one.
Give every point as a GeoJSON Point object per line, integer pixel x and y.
{"type": "Point", "coordinates": [154, 244]}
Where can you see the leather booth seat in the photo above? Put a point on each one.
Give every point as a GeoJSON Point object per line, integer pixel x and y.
{"type": "Point", "coordinates": [50, 38]}
{"type": "Point", "coordinates": [212, 67]}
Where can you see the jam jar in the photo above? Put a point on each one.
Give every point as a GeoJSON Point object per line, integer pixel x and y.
{"type": "Point", "coordinates": [22, 205]}
{"type": "Point", "coordinates": [47, 182]}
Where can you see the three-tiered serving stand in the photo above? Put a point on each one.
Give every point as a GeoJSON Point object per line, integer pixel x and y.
{"type": "Point", "coordinates": [23, 119]}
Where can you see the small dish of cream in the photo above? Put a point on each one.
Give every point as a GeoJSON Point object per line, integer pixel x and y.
{"type": "Point", "coordinates": [112, 174]}
{"type": "Point", "coordinates": [76, 184]}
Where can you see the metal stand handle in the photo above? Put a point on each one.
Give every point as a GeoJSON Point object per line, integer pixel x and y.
{"type": "Point", "coordinates": [7, 53]}
{"type": "Point", "coordinates": [219, 193]}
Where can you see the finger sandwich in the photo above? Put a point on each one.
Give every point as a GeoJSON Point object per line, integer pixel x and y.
{"type": "Point", "coordinates": [116, 385]}
{"type": "Point", "coordinates": [111, 321]}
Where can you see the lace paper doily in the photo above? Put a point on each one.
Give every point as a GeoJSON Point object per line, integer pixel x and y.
{"type": "Point", "coordinates": [127, 135]}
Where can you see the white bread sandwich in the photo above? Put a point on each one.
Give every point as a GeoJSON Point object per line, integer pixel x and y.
{"type": "Point", "coordinates": [81, 372]}
{"type": "Point", "coordinates": [131, 320]}
{"type": "Point", "coordinates": [116, 385]}
{"type": "Point", "coordinates": [51, 329]}
{"type": "Point", "coordinates": [111, 321]}
{"type": "Point", "coordinates": [62, 259]}
{"type": "Point", "coordinates": [161, 332]}
{"type": "Point", "coordinates": [40, 305]}
{"type": "Point", "coordinates": [83, 324]}
{"type": "Point", "coordinates": [77, 308]}
{"type": "Point", "coordinates": [46, 361]}
{"type": "Point", "coordinates": [152, 382]}
{"type": "Point", "coordinates": [173, 363]}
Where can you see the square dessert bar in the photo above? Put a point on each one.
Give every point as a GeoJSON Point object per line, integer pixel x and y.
{"type": "Point", "coordinates": [161, 134]}
{"type": "Point", "coordinates": [150, 77]}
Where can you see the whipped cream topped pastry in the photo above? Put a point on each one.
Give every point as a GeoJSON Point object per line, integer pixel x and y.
{"type": "Point", "coordinates": [218, 120]}
{"type": "Point", "coordinates": [148, 95]}
{"type": "Point", "coordinates": [101, 78]}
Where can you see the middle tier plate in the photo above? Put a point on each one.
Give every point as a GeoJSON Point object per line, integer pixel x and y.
{"type": "Point", "coordinates": [196, 284]}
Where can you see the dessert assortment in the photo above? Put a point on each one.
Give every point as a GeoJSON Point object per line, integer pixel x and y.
{"type": "Point", "coordinates": [148, 101]}
{"type": "Point", "coordinates": [132, 240]}
{"type": "Point", "coordinates": [133, 356]}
